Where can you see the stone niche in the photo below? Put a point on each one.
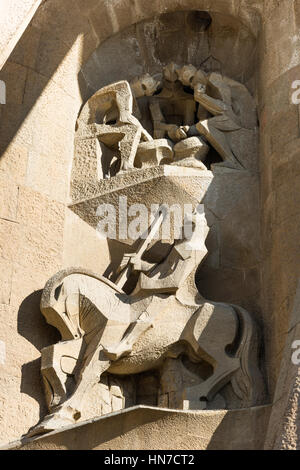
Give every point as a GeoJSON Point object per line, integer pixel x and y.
{"type": "Point", "coordinates": [231, 270]}
{"type": "Point", "coordinates": [215, 43]}
{"type": "Point", "coordinates": [222, 45]}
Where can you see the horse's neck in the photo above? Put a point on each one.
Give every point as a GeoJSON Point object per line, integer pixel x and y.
{"type": "Point", "coordinates": [87, 314]}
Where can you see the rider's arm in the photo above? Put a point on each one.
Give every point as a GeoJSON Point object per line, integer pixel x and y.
{"type": "Point", "coordinates": [136, 262]}
{"type": "Point", "coordinates": [143, 266]}
{"type": "Point", "coordinates": [122, 94]}
{"type": "Point", "coordinates": [214, 106]}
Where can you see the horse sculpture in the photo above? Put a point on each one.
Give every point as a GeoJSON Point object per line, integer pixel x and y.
{"type": "Point", "coordinates": [93, 313]}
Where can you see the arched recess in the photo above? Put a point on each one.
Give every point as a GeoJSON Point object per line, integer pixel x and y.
{"type": "Point", "coordinates": [137, 40]}
{"type": "Point", "coordinates": [227, 45]}
{"type": "Point", "coordinates": [139, 37]}
{"type": "Point", "coordinates": [111, 17]}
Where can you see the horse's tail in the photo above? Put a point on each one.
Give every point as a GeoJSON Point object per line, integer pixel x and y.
{"type": "Point", "coordinates": [247, 382]}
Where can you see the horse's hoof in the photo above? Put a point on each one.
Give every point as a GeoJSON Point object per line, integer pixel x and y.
{"type": "Point", "coordinates": [53, 422]}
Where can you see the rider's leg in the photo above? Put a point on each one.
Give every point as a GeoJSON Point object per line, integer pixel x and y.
{"type": "Point", "coordinates": [165, 278]}
{"type": "Point", "coordinates": [218, 140]}
{"type": "Point", "coordinates": [128, 146]}
{"type": "Point", "coordinates": [166, 285]}
{"type": "Point", "coordinates": [132, 334]}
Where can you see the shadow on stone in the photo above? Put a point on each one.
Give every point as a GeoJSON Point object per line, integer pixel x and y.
{"type": "Point", "coordinates": [32, 325]}
{"type": "Point", "coordinates": [31, 384]}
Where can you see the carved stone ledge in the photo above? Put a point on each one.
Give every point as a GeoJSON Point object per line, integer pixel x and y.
{"type": "Point", "coordinates": [146, 428]}
{"type": "Point", "coordinates": [161, 184]}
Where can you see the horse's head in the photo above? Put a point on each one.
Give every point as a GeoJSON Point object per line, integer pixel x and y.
{"type": "Point", "coordinates": [54, 306]}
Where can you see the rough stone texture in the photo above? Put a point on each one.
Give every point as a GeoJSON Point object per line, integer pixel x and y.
{"type": "Point", "coordinates": [169, 430]}
{"type": "Point", "coordinates": [156, 185]}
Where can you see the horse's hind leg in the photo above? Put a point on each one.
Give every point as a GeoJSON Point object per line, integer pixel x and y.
{"type": "Point", "coordinates": [197, 397]}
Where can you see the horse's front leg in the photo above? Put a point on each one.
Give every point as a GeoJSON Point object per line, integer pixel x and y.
{"type": "Point", "coordinates": [94, 364]}
{"type": "Point", "coordinates": [93, 367]}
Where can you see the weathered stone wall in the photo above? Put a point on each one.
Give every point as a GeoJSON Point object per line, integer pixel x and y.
{"type": "Point", "coordinates": [279, 121]}
{"type": "Point", "coordinates": [36, 141]}
{"type": "Point", "coordinates": [14, 19]}
{"type": "Point", "coordinates": [40, 235]}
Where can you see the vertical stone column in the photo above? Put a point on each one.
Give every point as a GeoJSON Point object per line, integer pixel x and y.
{"type": "Point", "coordinates": [280, 196]}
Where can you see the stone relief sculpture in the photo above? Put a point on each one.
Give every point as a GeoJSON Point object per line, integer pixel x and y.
{"type": "Point", "coordinates": [103, 329]}
{"type": "Point", "coordinates": [190, 113]}
{"type": "Point", "coordinates": [116, 103]}
{"type": "Point", "coordinates": [196, 354]}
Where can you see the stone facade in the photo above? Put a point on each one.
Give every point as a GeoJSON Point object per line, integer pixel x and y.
{"type": "Point", "coordinates": [54, 57]}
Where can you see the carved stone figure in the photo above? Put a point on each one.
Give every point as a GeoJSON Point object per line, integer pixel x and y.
{"type": "Point", "coordinates": [184, 104]}
{"type": "Point", "coordinates": [146, 85]}
{"type": "Point", "coordinates": [214, 129]}
{"type": "Point", "coordinates": [173, 104]}
{"type": "Point", "coordinates": [117, 104]}
{"type": "Point", "coordinates": [103, 329]}
{"type": "Point", "coordinates": [152, 318]}
{"type": "Point", "coordinates": [191, 152]}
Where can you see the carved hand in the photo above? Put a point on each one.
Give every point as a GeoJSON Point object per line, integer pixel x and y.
{"type": "Point", "coordinates": [177, 133]}
{"type": "Point", "coordinates": [131, 259]}
{"type": "Point", "coordinates": [125, 261]}
{"type": "Point", "coordinates": [199, 91]}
